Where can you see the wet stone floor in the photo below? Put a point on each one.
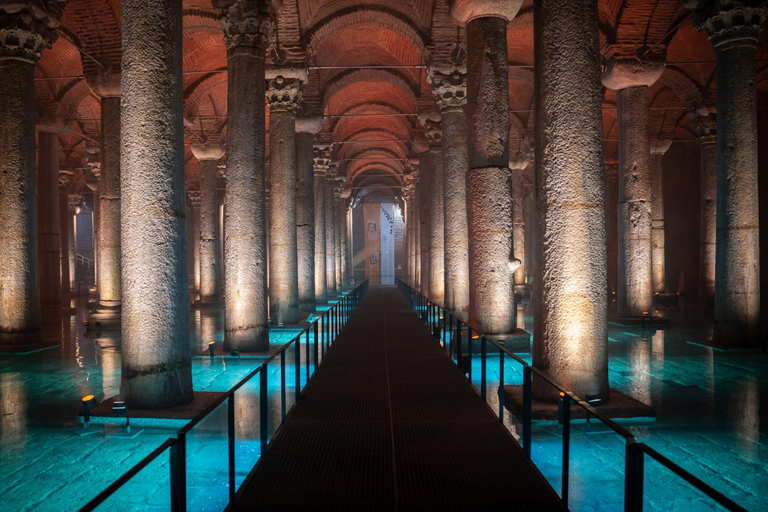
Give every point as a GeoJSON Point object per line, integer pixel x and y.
{"type": "Point", "coordinates": [712, 410]}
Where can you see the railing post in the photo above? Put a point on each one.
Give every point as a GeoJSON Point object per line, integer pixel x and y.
{"type": "Point", "coordinates": [282, 385]}
{"type": "Point", "coordinates": [469, 353]}
{"type": "Point", "coordinates": [231, 444]}
{"type": "Point", "coordinates": [482, 366]}
{"type": "Point", "coordinates": [633, 477]}
{"type": "Point", "coordinates": [263, 409]}
{"type": "Point", "coordinates": [458, 343]}
{"type": "Point", "coordinates": [297, 363]}
{"type": "Point", "coordinates": [179, 474]}
{"type": "Point", "coordinates": [501, 390]}
{"type": "Point", "coordinates": [527, 401]}
{"type": "Point", "coordinates": [566, 401]}
{"type": "Point", "coordinates": [317, 354]}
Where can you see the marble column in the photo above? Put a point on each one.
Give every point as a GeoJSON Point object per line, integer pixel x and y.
{"type": "Point", "coordinates": [65, 178]}
{"type": "Point", "coordinates": [658, 270]}
{"type": "Point", "coordinates": [208, 155]}
{"type": "Point", "coordinates": [489, 197]}
{"type": "Point", "coordinates": [306, 128]}
{"type": "Point", "coordinates": [247, 30]}
{"type": "Point", "coordinates": [284, 101]}
{"type": "Point", "coordinates": [517, 164]}
{"type": "Point", "coordinates": [631, 78]}
{"type": "Point", "coordinates": [330, 240]}
{"type": "Point", "coordinates": [432, 128]}
{"type": "Point", "coordinates": [734, 34]}
{"type": "Point", "coordinates": [570, 305]}
{"type": "Point", "coordinates": [107, 88]}
{"type": "Point", "coordinates": [704, 123]}
{"type": "Point", "coordinates": [49, 243]}
{"type": "Point", "coordinates": [449, 86]}
{"type": "Point", "coordinates": [32, 30]}
{"type": "Point", "coordinates": [155, 316]}
{"type": "Point", "coordinates": [321, 158]}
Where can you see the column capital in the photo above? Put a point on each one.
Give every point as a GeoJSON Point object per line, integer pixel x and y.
{"type": "Point", "coordinates": [449, 85]}
{"type": "Point", "coordinates": [660, 146]}
{"type": "Point", "coordinates": [53, 124]}
{"type": "Point", "coordinates": [247, 23]}
{"type": "Point", "coordinates": [611, 172]}
{"type": "Point", "coordinates": [309, 124]}
{"type": "Point", "coordinates": [464, 11]}
{"type": "Point", "coordinates": [104, 85]}
{"type": "Point", "coordinates": [284, 89]}
{"type": "Point", "coordinates": [621, 73]}
{"type": "Point", "coordinates": [65, 178]}
{"type": "Point", "coordinates": [28, 27]}
{"type": "Point", "coordinates": [194, 197]}
{"type": "Point", "coordinates": [703, 120]}
{"type": "Point", "coordinates": [321, 159]}
{"type": "Point", "coordinates": [729, 22]}
{"type": "Point", "coordinates": [519, 161]}
{"type": "Point", "coordinates": [207, 151]}
{"type": "Point", "coordinates": [74, 201]}
{"type": "Point", "coordinates": [431, 124]}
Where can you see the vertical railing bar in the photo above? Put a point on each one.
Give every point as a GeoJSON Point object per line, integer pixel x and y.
{"type": "Point", "coordinates": [297, 364]}
{"type": "Point", "coordinates": [527, 414]}
{"type": "Point", "coordinates": [317, 354]}
{"type": "Point", "coordinates": [179, 474]}
{"type": "Point", "coordinates": [469, 352]}
{"type": "Point", "coordinates": [231, 444]}
{"type": "Point", "coordinates": [282, 385]}
{"type": "Point", "coordinates": [633, 477]}
{"type": "Point", "coordinates": [566, 447]}
{"type": "Point", "coordinates": [483, 349]}
{"type": "Point", "coordinates": [263, 410]}
{"type": "Point", "coordinates": [501, 388]}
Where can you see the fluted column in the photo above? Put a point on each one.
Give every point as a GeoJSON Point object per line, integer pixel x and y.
{"type": "Point", "coordinates": [107, 88]}
{"type": "Point", "coordinates": [489, 198]}
{"type": "Point", "coordinates": [321, 157]}
{"type": "Point", "coordinates": [330, 240]}
{"type": "Point", "coordinates": [284, 101]}
{"type": "Point", "coordinates": [247, 29]}
{"type": "Point", "coordinates": [24, 33]}
{"type": "Point", "coordinates": [630, 78]}
{"type": "Point", "coordinates": [155, 324]}
{"type": "Point", "coordinates": [570, 310]}
{"type": "Point", "coordinates": [208, 155]}
{"type": "Point", "coordinates": [733, 30]}
{"type": "Point", "coordinates": [49, 248]}
{"type": "Point", "coordinates": [658, 270]}
{"type": "Point", "coordinates": [449, 86]}
{"type": "Point", "coordinates": [704, 123]}
{"type": "Point", "coordinates": [306, 128]}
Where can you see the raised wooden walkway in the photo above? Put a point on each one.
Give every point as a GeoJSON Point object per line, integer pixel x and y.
{"type": "Point", "coordinates": [388, 422]}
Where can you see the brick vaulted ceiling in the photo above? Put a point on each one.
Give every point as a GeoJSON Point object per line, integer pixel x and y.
{"type": "Point", "coordinates": [370, 113]}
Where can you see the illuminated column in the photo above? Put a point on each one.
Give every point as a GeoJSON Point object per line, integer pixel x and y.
{"type": "Point", "coordinates": [155, 323]}
{"type": "Point", "coordinates": [49, 248]}
{"type": "Point", "coordinates": [107, 87]}
{"type": "Point", "coordinates": [570, 314]}
{"type": "Point", "coordinates": [321, 156]}
{"type": "Point", "coordinates": [658, 149]}
{"type": "Point", "coordinates": [65, 178]}
{"type": "Point", "coordinates": [330, 241]}
{"type": "Point", "coordinates": [734, 33]}
{"type": "Point", "coordinates": [704, 123]}
{"type": "Point", "coordinates": [430, 124]}
{"type": "Point", "coordinates": [517, 164]}
{"type": "Point", "coordinates": [449, 86]}
{"type": "Point", "coordinates": [416, 200]}
{"type": "Point", "coordinates": [194, 240]}
{"type": "Point", "coordinates": [489, 198]}
{"type": "Point", "coordinates": [425, 214]}
{"type": "Point", "coordinates": [630, 78]}
{"type": "Point", "coordinates": [343, 210]}
{"type": "Point", "coordinates": [284, 100]}
{"type": "Point", "coordinates": [74, 202]}
{"type": "Point", "coordinates": [33, 30]}
{"type": "Point", "coordinates": [337, 208]}
{"type": "Point", "coordinates": [247, 29]}
{"type": "Point", "coordinates": [306, 128]}
{"type": "Point", "coordinates": [208, 156]}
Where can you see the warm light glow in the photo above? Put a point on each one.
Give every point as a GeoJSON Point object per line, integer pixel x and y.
{"type": "Point", "coordinates": [88, 398]}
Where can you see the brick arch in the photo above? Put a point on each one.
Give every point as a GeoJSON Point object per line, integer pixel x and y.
{"type": "Point", "coordinates": [97, 25]}
{"type": "Point", "coordinates": [353, 171]}
{"type": "Point", "coordinates": [199, 20]}
{"type": "Point", "coordinates": [68, 99]}
{"type": "Point", "coordinates": [372, 152]}
{"type": "Point", "coordinates": [369, 85]}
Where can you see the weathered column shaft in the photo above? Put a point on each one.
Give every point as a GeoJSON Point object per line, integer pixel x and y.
{"type": "Point", "coordinates": [425, 214]}
{"type": "Point", "coordinates": [305, 221]}
{"type": "Point", "coordinates": [64, 237]}
{"type": "Point", "coordinates": [193, 238]}
{"type": "Point", "coordinates": [708, 228]}
{"type": "Point", "coordinates": [155, 327]}
{"type": "Point", "coordinates": [245, 246]}
{"type": "Point", "coordinates": [343, 242]}
{"type": "Point", "coordinates": [570, 310]}
{"type": "Point", "coordinates": [330, 240]}
{"type": "Point", "coordinates": [337, 239]}
{"type": "Point", "coordinates": [321, 159]}
{"type": "Point", "coordinates": [518, 224]}
{"type": "Point", "coordinates": [436, 227]}
{"type": "Point", "coordinates": [209, 236]}
{"type": "Point", "coordinates": [110, 287]}
{"type": "Point", "coordinates": [49, 248]}
{"type": "Point", "coordinates": [283, 95]}
{"type": "Point", "coordinates": [657, 223]}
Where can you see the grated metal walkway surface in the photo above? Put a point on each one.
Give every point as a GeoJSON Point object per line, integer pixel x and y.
{"type": "Point", "coordinates": [388, 422]}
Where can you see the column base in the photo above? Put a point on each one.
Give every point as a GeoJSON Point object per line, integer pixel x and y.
{"type": "Point", "coordinates": [618, 405]}
{"type": "Point", "coordinates": [23, 342]}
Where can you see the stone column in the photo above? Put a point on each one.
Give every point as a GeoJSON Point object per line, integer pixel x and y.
{"type": "Point", "coordinates": [517, 164]}
{"type": "Point", "coordinates": [49, 248]}
{"type": "Point", "coordinates": [489, 198]}
{"type": "Point", "coordinates": [25, 32]}
{"type": "Point", "coordinates": [425, 214]}
{"type": "Point", "coordinates": [74, 202]}
{"type": "Point", "coordinates": [733, 30]}
{"type": "Point", "coordinates": [704, 122]}
{"type": "Point", "coordinates": [570, 309]}
{"type": "Point", "coordinates": [284, 100]}
{"type": "Point", "coordinates": [65, 178]}
{"type": "Point", "coordinates": [247, 29]}
{"type": "Point", "coordinates": [449, 86]}
{"type": "Point", "coordinates": [155, 321]}
{"type": "Point", "coordinates": [107, 88]}
{"type": "Point", "coordinates": [343, 210]}
{"type": "Point", "coordinates": [330, 240]}
{"type": "Point", "coordinates": [416, 230]}
{"type": "Point", "coordinates": [208, 155]}
{"type": "Point", "coordinates": [321, 157]}
{"type": "Point", "coordinates": [337, 209]}
{"type": "Point", "coordinates": [630, 78]}
{"type": "Point", "coordinates": [658, 270]}
{"type": "Point", "coordinates": [306, 128]}
{"type": "Point", "coordinates": [431, 126]}
{"type": "Point", "coordinates": [193, 239]}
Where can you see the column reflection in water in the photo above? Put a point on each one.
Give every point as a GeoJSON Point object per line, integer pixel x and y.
{"type": "Point", "coordinates": [110, 363]}
{"type": "Point", "coordinates": [13, 414]}
{"type": "Point", "coordinates": [639, 359]}
{"type": "Point", "coordinates": [744, 417]}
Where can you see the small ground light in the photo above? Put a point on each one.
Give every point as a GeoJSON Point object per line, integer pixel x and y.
{"type": "Point", "coordinates": [120, 408]}
{"type": "Point", "coordinates": [89, 402]}
{"type": "Point", "coordinates": [234, 353]}
{"type": "Point", "coordinates": [211, 347]}
{"type": "Point", "coordinates": [279, 325]}
{"type": "Point", "coordinates": [594, 401]}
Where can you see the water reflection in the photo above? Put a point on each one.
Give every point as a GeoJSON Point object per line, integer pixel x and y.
{"type": "Point", "coordinates": [639, 356]}
{"type": "Point", "coordinates": [13, 413]}
{"type": "Point", "coordinates": [745, 415]}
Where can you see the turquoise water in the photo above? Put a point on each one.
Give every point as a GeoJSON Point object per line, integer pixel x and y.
{"type": "Point", "coordinates": [51, 462]}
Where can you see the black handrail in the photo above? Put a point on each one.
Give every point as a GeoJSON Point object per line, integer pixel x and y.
{"type": "Point", "coordinates": [634, 468]}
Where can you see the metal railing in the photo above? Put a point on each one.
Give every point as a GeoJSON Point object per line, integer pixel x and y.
{"type": "Point", "coordinates": [329, 323]}
{"type": "Point", "coordinates": [447, 329]}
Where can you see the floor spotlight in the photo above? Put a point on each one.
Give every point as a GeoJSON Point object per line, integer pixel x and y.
{"type": "Point", "coordinates": [235, 353]}
{"type": "Point", "coordinates": [89, 402]}
{"type": "Point", "coordinates": [211, 347]}
{"type": "Point", "coordinates": [120, 408]}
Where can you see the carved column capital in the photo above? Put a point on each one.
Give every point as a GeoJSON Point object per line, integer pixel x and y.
{"type": "Point", "coordinates": [207, 151]}
{"type": "Point", "coordinates": [194, 198]}
{"type": "Point", "coordinates": [247, 23]}
{"type": "Point", "coordinates": [729, 22]}
{"type": "Point", "coordinates": [65, 178]}
{"type": "Point", "coordinates": [449, 85]}
{"type": "Point", "coordinates": [26, 28]}
{"type": "Point", "coordinates": [703, 120]}
{"type": "Point", "coordinates": [433, 129]}
{"type": "Point", "coordinates": [321, 159]}
{"type": "Point", "coordinates": [621, 73]}
{"type": "Point", "coordinates": [284, 89]}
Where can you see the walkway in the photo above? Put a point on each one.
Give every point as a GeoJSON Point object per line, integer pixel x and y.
{"type": "Point", "coordinates": [388, 422]}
